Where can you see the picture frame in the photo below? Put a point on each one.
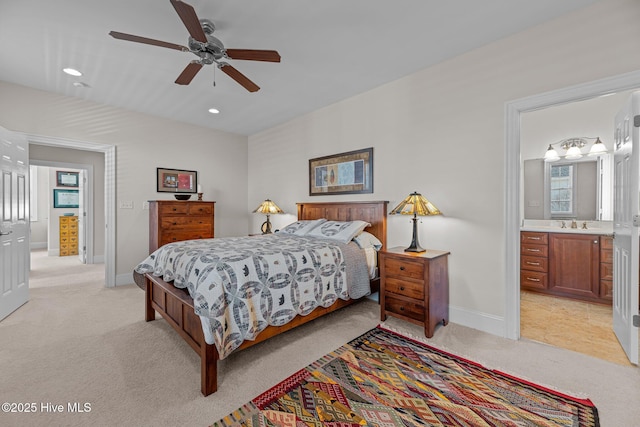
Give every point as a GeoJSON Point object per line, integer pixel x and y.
{"type": "Point", "coordinates": [343, 173]}
{"type": "Point", "coordinates": [67, 179]}
{"type": "Point", "coordinates": [63, 198]}
{"type": "Point", "coordinates": [176, 181]}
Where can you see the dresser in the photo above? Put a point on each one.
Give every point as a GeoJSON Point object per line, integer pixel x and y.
{"type": "Point", "coordinates": [68, 235]}
{"type": "Point", "coordinates": [173, 221]}
{"type": "Point", "coordinates": [415, 287]}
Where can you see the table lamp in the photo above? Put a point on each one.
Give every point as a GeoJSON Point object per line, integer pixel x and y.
{"type": "Point", "coordinates": [415, 204]}
{"type": "Point", "coordinates": [267, 207]}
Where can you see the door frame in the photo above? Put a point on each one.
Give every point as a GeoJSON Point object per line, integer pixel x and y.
{"type": "Point", "coordinates": [87, 196]}
{"type": "Point", "coordinates": [109, 193]}
{"type": "Point", "coordinates": [513, 175]}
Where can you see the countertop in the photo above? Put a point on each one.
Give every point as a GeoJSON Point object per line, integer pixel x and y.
{"type": "Point", "coordinates": [553, 226]}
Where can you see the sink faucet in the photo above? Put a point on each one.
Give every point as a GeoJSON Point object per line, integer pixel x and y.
{"type": "Point", "coordinates": [563, 224]}
{"type": "Point", "coordinates": [584, 225]}
{"type": "Point", "coordinates": [574, 224]}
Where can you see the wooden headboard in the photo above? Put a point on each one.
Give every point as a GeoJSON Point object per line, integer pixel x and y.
{"type": "Point", "coordinates": [374, 213]}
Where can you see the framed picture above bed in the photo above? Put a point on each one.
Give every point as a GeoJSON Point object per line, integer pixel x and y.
{"type": "Point", "coordinates": [176, 181]}
{"type": "Point", "coordinates": [343, 173]}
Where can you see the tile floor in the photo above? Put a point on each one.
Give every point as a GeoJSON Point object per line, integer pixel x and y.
{"type": "Point", "coordinates": [580, 326]}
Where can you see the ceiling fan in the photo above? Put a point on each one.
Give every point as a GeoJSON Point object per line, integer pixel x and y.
{"type": "Point", "coordinates": [209, 48]}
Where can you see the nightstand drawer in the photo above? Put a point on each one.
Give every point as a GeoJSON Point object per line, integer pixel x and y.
{"type": "Point", "coordinates": [403, 268]}
{"type": "Point", "coordinates": [404, 308]}
{"type": "Point", "coordinates": [401, 287]}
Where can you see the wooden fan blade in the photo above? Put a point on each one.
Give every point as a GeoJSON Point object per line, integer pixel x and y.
{"type": "Point", "coordinates": [190, 20]}
{"type": "Point", "coordinates": [138, 39]}
{"type": "Point", "coordinates": [188, 73]}
{"type": "Point", "coordinates": [240, 78]}
{"type": "Point", "coordinates": [254, 55]}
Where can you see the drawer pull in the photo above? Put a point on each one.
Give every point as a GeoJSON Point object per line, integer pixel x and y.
{"type": "Point", "coordinates": [533, 238]}
{"type": "Point", "coordinates": [532, 263]}
{"type": "Point", "coordinates": [533, 250]}
{"type": "Point", "coordinates": [175, 223]}
{"type": "Point", "coordinates": [402, 268]}
{"type": "Point", "coordinates": [401, 308]}
{"type": "Point", "coordinates": [175, 209]}
{"type": "Point", "coordinates": [533, 279]}
{"type": "Point", "coordinates": [402, 288]}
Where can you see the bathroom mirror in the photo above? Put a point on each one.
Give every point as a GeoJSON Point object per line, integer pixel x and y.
{"type": "Point", "coordinates": [568, 189]}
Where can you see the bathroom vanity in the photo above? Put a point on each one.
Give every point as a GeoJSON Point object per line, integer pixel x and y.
{"type": "Point", "coordinates": [570, 263]}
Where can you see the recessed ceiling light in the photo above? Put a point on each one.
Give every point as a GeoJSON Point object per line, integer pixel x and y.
{"type": "Point", "coordinates": [214, 111]}
{"type": "Point", "coordinates": [72, 72]}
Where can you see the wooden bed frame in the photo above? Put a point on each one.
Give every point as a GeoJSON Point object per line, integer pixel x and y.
{"type": "Point", "coordinates": [176, 306]}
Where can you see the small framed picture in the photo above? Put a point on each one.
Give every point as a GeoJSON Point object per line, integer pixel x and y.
{"type": "Point", "coordinates": [65, 198]}
{"type": "Point", "coordinates": [176, 181]}
{"type": "Point", "coordinates": [66, 179]}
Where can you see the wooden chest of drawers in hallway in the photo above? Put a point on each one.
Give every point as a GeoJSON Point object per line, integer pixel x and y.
{"type": "Point", "coordinates": [173, 221]}
{"type": "Point", "coordinates": [68, 235]}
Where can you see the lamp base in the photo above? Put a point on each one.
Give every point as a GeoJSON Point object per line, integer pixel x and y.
{"type": "Point", "coordinates": [415, 246]}
{"type": "Point", "coordinates": [266, 226]}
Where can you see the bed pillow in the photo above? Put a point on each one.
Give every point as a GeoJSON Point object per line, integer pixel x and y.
{"type": "Point", "coordinates": [367, 240]}
{"type": "Point", "coordinates": [302, 227]}
{"type": "Point", "coordinates": [342, 231]}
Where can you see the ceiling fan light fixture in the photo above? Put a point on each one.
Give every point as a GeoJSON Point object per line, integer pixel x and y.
{"type": "Point", "coordinates": [72, 72]}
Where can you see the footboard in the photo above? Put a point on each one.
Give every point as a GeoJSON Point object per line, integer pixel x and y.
{"type": "Point", "coordinates": [176, 307]}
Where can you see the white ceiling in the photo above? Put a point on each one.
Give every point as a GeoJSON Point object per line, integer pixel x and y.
{"type": "Point", "coordinates": [330, 49]}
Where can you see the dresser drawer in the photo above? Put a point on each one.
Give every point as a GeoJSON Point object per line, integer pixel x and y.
{"type": "Point", "coordinates": [403, 268]}
{"type": "Point", "coordinates": [528, 249]}
{"type": "Point", "coordinates": [200, 209]}
{"type": "Point", "coordinates": [401, 287]}
{"type": "Point", "coordinates": [177, 222]}
{"type": "Point", "coordinates": [177, 236]}
{"type": "Point", "coordinates": [412, 310]}
{"type": "Point", "coordinates": [533, 279]}
{"type": "Point", "coordinates": [534, 237]}
{"type": "Point", "coordinates": [176, 207]}
{"type": "Point", "coordinates": [534, 263]}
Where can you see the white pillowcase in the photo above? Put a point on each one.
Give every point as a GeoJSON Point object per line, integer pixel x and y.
{"type": "Point", "coordinates": [342, 231]}
{"type": "Point", "coordinates": [302, 227]}
{"type": "Point", "coordinates": [367, 240]}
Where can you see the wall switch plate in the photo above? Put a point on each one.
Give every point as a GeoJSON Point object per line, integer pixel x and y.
{"type": "Point", "coordinates": [534, 203]}
{"type": "Point", "coordinates": [145, 205]}
{"type": "Point", "coordinates": [126, 204]}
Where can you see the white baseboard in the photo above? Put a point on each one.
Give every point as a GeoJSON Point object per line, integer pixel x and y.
{"type": "Point", "coordinates": [124, 279]}
{"type": "Point", "coordinates": [38, 245]}
{"type": "Point", "coordinates": [484, 322]}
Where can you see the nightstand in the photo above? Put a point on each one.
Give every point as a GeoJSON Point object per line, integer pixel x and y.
{"type": "Point", "coordinates": [415, 287]}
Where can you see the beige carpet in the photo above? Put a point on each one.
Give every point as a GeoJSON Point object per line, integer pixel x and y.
{"type": "Point", "coordinates": [80, 342]}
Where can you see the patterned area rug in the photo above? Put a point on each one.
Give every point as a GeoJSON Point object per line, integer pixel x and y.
{"type": "Point", "coordinates": [385, 379]}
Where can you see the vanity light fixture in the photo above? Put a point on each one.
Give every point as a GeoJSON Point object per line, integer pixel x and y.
{"type": "Point", "coordinates": [415, 204]}
{"type": "Point", "coordinates": [573, 147]}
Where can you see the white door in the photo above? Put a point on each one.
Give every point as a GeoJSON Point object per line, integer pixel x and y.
{"type": "Point", "coordinates": [14, 221]}
{"type": "Point", "coordinates": [82, 216]}
{"type": "Point", "coordinates": [626, 249]}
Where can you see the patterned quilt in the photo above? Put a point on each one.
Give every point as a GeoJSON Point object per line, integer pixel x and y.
{"type": "Point", "coordinates": [240, 285]}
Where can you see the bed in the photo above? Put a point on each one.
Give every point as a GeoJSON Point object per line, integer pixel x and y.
{"type": "Point", "coordinates": [176, 305]}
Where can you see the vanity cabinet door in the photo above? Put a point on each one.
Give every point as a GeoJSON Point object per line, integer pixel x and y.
{"type": "Point", "coordinates": [574, 265]}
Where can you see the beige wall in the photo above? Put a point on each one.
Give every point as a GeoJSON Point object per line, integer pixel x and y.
{"type": "Point", "coordinates": [441, 132]}
{"type": "Point", "coordinates": [142, 143]}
